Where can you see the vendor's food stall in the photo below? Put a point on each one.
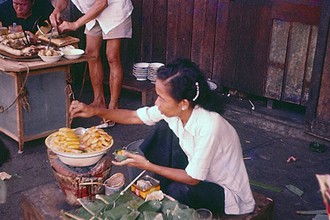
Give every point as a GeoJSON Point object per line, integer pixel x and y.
{"type": "Point", "coordinates": [33, 98]}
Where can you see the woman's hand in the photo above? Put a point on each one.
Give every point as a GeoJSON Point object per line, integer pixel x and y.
{"type": "Point", "coordinates": [134, 160]}
{"type": "Point", "coordinates": [79, 109]}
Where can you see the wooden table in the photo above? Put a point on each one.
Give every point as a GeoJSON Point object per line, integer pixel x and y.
{"type": "Point", "coordinates": [44, 202]}
{"type": "Point", "coordinates": [146, 88]}
{"type": "Point", "coordinates": [33, 101]}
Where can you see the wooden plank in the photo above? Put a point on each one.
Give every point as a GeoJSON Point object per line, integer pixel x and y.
{"type": "Point", "coordinates": [261, 49]}
{"type": "Point", "coordinates": [159, 31]}
{"type": "Point", "coordinates": [14, 66]}
{"type": "Point", "coordinates": [172, 26]}
{"type": "Point", "coordinates": [297, 12]}
{"type": "Point", "coordinates": [309, 65]}
{"type": "Point", "coordinates": [323, 107]}
{"type": "Point", "coordinates": [274, 82]}
{"type": "Point", "coordinates": [322, 50]}
{"type": "Point", "coordinates": [220, 39]}
{"type": "Point", "coordinates": [136, 42]}
{"type": "Point", "coordinates": [198, 31]}
{"type": "Point", "coordinates": [203, 35]}
{"type": "Point", "coordinates": [246, 78]}
{"type": "Point", "coordinates": [277, 57]}
{"type": "Point", "coordinates": [146, 44]}
{"type": "Point", "coordinates": [232, 43]}
{"type": "Point", "coordinates": [179, 29]}
{"type": "Point", "coordinates": [296, 62]}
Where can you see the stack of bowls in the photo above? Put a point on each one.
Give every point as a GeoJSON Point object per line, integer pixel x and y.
{"type": "Point", "coordinates": [140, 71]}
{"type": "Point", "coordinates": [152, 71]}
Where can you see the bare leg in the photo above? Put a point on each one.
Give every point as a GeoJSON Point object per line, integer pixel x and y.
{"type": "Point", "coordinates": [93, 46]}
{"type": "Point", "coordinates": [116, 71]}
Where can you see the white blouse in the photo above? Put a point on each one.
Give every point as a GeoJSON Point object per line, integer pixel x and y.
{"type": "Point", "coordinates": [214, 153]}
{"type": "Point", "coordinates": [116, 12]}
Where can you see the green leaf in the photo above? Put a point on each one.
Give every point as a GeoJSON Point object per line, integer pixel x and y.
{"type": "Point", "coordinates": [295, 190]}
{"type": "Point", "coordinates": [265, 186]}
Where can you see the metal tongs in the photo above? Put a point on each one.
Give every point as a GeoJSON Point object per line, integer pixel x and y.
{"type": "Point", "coordinates": [50, 37]}
{"type": "Point", "coordinates": [27, 41]}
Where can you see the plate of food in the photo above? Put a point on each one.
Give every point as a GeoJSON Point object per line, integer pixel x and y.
{"type": "Point", "coordinates": [18, 46]}
{"type": "Point", "coordinates": [79, 147]}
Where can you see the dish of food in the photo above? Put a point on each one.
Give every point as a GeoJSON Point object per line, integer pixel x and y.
{"type": "Point", "coordinates": [50, 55]}
{"type": "Point", "coordinates": [82, 149]}
{"type": "Point", "coordinates": [19, 45]}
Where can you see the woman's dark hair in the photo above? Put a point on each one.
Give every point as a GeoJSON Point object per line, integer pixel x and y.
{"type": "Point", "coordinates": [186, 81]}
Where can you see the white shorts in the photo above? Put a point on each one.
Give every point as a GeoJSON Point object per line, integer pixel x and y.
{"type": "Point", "coordinates": [124, 30]}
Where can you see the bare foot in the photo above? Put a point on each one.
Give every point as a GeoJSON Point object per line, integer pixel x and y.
{"type": "Point", "coordinates": [98, 104]}
{"type": "Point", "coordinates": [113, 106]}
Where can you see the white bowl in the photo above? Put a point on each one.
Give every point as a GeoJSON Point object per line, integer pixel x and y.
{"type": "Point", "coordinates": [73, 54]}
{"type": "Point", "coordinates": [80, 160]}
{"type": "Point", "coordinates": [77, 159]}
{"type": "Point", "coordinates": [141, 65]}
{"type": "Point", "coordinates": [212, 85]}
{"type": "Point", "coordinates": [51, 59]}
{"type": "Point", "coordinates": [156, 65]}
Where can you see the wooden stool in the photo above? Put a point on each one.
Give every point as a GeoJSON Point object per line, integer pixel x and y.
{"type": "Point", "coordinates": [264, 210]}
{"type": "Point", "coordinates": [44, 203]}
{"type": "Point", "coordinates": [146, 88]}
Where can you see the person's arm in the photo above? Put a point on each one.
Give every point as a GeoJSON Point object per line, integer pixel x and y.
{"type": "Point", "coordinates": [122, 116]}
{"type": "Point", "coordinates": [177, 175]}
{"type": "Point", "coordinates": [92, 13]}
{"type": "Point", "coordinates": [55, 17]}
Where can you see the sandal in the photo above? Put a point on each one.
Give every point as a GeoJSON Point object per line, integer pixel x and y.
{"type": "Point", "coordinates": [106, 124]}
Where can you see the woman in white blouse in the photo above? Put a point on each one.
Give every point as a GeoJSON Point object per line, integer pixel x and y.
{"type": "Point", "coordinates": [194, 151]}
{"type": "Point", "coordinates": [108, 20]}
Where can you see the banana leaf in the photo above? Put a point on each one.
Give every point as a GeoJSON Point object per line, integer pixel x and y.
{"type": "Point", "coordinates": [131, 216]}
{"type": "Point", "coordinates": [150, 215]}
{"type": "Point", "coordinates": [117, 212]}
{"type": "Point", "coordinates": [179, 213]}
{"type": "Point", "coordinates": [126, 197]}
{"type": "Point", "coordinates": [151, 205]}
{"type": "Point", "coordinates": [77, 214]}
{"type": "Point", "coordinates": [93, 207]}
{"type": "Point", "coordinates": [168, 205]}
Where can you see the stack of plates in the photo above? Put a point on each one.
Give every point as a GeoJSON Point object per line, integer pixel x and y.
{"type": "Point", "coordinates": [140, 71]}
{"type": "Point", "coordinates": [152, 71]}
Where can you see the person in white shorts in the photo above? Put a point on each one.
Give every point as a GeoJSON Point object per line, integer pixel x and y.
{"type": "Point", "coordinates": [108, 20]}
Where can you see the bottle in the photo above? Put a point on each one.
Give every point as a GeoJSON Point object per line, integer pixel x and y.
{"type": "Point", "coordinates": [15, 28]}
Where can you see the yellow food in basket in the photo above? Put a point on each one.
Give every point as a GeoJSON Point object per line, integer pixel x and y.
{"type": "Point", "coordinates": [94, 139]}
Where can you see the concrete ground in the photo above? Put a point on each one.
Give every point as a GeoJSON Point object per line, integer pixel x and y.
{"type": "Point", "coordinates": [267, 143]}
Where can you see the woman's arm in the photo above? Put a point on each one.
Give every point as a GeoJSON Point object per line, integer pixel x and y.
{"type": "Point", "coordinates": [122, 116]}
{"type": "Point", "coordinates": [177, 175]}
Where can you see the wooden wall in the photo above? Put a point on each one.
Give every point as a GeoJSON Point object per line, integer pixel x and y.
{"type": "Point", "coordinates": [167, 29]}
